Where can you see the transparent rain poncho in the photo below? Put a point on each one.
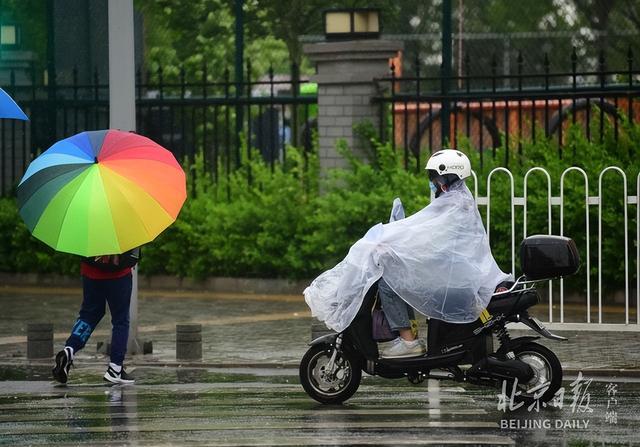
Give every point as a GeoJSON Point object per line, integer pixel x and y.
{"type": "Point", "coordinates": [438, 260]}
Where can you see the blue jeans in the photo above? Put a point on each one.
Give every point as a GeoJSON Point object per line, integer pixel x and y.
{"type": "Point", "coordinates": [397, 311]}
{"type": "Point", "coordinates": [97, 293]}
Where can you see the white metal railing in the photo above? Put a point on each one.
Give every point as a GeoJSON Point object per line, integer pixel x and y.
{"type": "Point", "coordinates": [589, 201]}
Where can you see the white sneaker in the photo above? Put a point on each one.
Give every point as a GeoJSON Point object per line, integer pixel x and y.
{"type": "Point", "coordinates": [117, 374]}
{"type": "Point", "coordinates": [384, 345]}
{"type": "Point", "coordinates": [400, 348]}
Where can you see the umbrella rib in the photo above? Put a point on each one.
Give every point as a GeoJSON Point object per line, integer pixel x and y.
{"type": "Point", "coordinates": [119, 171]}
{"type": "Point", "coordinates": [171, 161]}
{"type": "Point", "coordinates": [24, 186]}
{"type": "Point", "coordinates": [117, 153]}
{"type": "Point", "coordinates": [66, 211]}
{"type": "Point", "coordinates": [131, 204]}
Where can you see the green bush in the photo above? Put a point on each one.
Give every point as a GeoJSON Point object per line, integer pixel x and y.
{"type": "Point", "coordinates": [285, 221]}
{"type": "Point", "coordinates": [20, 252]}
{"type": "Point", "coordinates": [238, 227]}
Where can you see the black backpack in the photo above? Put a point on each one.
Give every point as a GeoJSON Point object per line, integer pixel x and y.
{"type": "Point", "coordinates": [125, 260]}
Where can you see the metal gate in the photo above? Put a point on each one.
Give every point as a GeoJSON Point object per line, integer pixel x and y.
{"type": "Point", "coordinates": [593, 322]}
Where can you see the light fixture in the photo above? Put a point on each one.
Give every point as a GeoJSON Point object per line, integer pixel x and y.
{"type": "Point", "coordinates": [8, 35]}
{"type": "Point", "coordinates": [348, 24]}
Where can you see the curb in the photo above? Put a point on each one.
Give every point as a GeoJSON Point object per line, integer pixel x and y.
{"type": "Point", "coordinates": [267, 286]}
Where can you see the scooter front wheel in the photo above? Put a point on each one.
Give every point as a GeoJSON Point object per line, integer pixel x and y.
{"type": "Point", "coordinates": [326, 381]}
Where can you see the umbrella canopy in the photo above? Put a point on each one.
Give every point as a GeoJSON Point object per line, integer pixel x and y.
{"type": "Point", "coordinates": [9, 108]}
{"type": "Point", "coordinates": [101, 192]}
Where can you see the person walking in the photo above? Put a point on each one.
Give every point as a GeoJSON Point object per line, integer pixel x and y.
{"type": "Point", "coordinates": [105, 280]}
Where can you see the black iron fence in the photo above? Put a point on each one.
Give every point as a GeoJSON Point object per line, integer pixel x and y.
{"type": "Point", "coordinates": [222, 118]}
{"type": "Point", "coordinates": [218, 118]}
{"type": "Point", "coordinates": [501, 110]}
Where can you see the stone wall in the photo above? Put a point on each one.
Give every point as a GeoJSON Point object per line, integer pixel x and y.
{"type": "Point", "coordinates": [346, 73]}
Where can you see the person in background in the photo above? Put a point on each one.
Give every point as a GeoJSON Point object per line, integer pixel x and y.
{"type": "Point", "coordinates": [105, 280]}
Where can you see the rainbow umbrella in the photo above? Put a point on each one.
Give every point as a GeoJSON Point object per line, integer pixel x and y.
{"type": "Point", "coordinates": [9, 108]}
{"type": "Point", "coordinates": [101, 192]}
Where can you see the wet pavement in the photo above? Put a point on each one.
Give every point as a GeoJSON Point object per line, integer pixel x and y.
{"type": "Point", "coordinates": [259, 330]}
{"type": "Point", "coordinates": [255, 407]}
{"type": "Point", "coordinates": [236, 329]}
{"type": "Point", "coordinates": [246, 390]}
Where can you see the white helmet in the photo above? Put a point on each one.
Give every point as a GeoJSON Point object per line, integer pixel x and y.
{"type": "Point", "coordinates": [450, 161]}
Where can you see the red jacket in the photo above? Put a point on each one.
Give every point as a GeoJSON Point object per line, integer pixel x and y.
{"type": "Point", "coordinates": [93, 272]}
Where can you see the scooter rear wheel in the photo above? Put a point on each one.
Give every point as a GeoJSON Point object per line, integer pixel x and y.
{"type": "Point", "coordinates": [547, 369]}
{"type": "Point", "coordinates": [334, 385]}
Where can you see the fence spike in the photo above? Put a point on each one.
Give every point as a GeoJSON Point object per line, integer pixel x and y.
{"type": "Point", "coordinates": [546, 62]}
{"type": "Point", "coordinates": [33, 80]}
{"type": "Point", "coordinates": [204, 79]}
{"type": "Point", "coordinates": [138, 84]}
{"type": "Point", "coordinates": [630, 72]}
{"type": "Point", "coordinates": [182, 81]}
{"type": "Point", "coordinates": [160, 83]}
{"type": "Point", "coordinates": [602, 67]}
{"type": "Point", "coordinates": [295, 82]}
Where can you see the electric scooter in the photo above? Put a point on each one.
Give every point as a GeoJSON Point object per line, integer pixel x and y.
{"type": "Point", "coordinates": [331, 369]}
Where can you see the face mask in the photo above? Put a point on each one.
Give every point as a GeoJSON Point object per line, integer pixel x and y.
{"type": "Point", "coordinates": [432, 187]}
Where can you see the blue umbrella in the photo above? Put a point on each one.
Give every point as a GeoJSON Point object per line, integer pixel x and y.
{"type": "Point", "coordinates": [9, 108]}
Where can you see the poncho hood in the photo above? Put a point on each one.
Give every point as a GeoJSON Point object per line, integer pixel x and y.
{"type": "Point", "coordinates": [438, 260]}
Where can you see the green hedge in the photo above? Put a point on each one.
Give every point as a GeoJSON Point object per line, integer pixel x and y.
{"type": "Point", "coordinates": [280, 225]}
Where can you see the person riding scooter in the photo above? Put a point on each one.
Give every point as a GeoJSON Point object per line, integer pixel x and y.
{"type": "Point", "coordinates": [446, 169]}
{"type": "Point", "coordinates": [438, 260]}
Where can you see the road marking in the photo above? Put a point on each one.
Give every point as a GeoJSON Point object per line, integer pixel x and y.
{"type": "Point", "coordinates": [157, 294]}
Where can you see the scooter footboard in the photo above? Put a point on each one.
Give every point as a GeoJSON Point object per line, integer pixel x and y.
{"type": "Point", "coordinates": [443, 337]}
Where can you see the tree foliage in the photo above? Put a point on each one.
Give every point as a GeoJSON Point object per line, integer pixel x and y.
{"type": "Point", "coordinates": [275, 223]}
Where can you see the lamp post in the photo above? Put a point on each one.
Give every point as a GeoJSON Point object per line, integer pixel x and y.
{"type": "Point", "coordinates": [122, 109]}
{"type": "Point", "coordinates": [347, 65]}
{"type": "Point", "coordinates": [446, 70]}
{"type": "Point", "coordinates": [352, 24]}
{"type": "Point", "coordinates": [51, 70]}
{"type": "Point", "coordinates": [239, 58]}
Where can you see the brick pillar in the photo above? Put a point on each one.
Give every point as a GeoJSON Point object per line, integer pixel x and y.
{"type": "Point", "coordinates": [345, 72]}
